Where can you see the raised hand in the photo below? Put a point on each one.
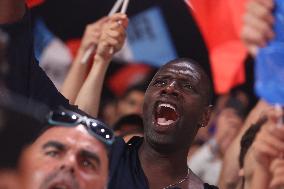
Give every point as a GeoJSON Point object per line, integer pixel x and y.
{"type": "Point", "coordinates": [258, 21]}
{"type": "Point", "coordinates": [269, 142]}
{"type": "Point", "coordinates": [92, 35]}
{"type": "Point", "coordinates": [112, 37]}
{"type": "Point", "coordinates": [277, 174]}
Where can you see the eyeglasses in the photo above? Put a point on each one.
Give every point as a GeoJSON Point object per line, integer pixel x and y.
{"type": "Point", "coordinates": [93, 126]}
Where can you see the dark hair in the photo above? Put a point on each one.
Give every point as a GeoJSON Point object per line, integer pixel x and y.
{"type": "Point", "coordinates": [17, 130]}
{"type": "Point", "coordinates": [132, 119]}
{"type": "Point", "coordinates": [248, 138]}
{"type": "Point", "coordinates": [237, 105]}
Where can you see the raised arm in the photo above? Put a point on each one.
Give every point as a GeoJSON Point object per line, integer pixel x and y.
{"type": "Point", "coordinates": [111, 41]}
{"type": "Point", "coordinates": [11, 10]}
{"type": "Point", "coordinates": [78, 72]}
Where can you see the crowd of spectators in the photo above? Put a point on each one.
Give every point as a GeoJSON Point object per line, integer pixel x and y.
{"type": "Point", "coordinates": [78, 114]}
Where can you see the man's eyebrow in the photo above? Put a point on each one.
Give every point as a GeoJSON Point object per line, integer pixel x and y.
{"type": "Point", "coordinates": [91, 155]}
{"type": "Point", "coordinates": [168, 76]}
{"type": "Point", "coordinates": [163, 76]}
{"type": "Point", "coordinates": [54, 144]}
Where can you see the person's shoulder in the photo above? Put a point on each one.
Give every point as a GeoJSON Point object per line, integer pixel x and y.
{"type": "Point", "coordinates": [120, 149]}
{"type": "Point", "coordinates": [208, 186]}
{"type": "Point", "coordinates": [117, 147]}
{"type": "Point", "coordinates": [120, 145]}
{"type": "Point", "coordinates": [117, 151]}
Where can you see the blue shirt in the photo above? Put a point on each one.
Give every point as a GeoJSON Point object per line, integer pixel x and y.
{"type": "Point", "coordinates": [125, 167]}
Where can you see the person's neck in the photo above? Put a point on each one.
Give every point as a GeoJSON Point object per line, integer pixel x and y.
{"type": "Point", "coordinates": [157, 164]}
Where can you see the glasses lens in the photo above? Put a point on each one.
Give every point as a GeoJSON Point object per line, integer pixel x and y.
{"type": "Point", "coordinates": [101, 130]}
{"type": "Point", "coordinates": [63, 117]}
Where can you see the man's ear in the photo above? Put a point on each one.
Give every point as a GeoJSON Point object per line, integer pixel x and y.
{"type": "Point", "coordinates": [206, 115]}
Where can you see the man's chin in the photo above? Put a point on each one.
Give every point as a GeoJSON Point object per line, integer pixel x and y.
{"type": "Point", "coordinates": [160, 142]}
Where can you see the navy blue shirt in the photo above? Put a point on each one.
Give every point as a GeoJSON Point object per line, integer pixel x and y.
{"type": "Point", "coordinates": [125, 167]}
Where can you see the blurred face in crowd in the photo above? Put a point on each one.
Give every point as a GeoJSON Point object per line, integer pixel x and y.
{"type": "Point", "coordinates": [228, 125]}
{"type": "Point", "coordinates": [65, 158]}
{"type": "Point", "coordinates": [131, 104]}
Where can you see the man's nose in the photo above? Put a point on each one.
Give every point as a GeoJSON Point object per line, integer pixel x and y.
{"type": "Point", "coordinates": [171, 88]}
{"type": "Point", "coordinates": [68, 164]}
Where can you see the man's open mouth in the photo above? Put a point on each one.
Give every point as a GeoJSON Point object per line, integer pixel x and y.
{"type": "Point", "coordinates": [166, 114]}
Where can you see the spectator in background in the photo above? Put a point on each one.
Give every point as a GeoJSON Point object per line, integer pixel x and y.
{"type": "Point", "coordinates": [129, 126]}
{"type": "Point", "coordinates": [131, 102]}
{"type": "Point", "coordinates": [17, 131]}
{"type": "Point", "coordinates": [139, 76]}
{"type": "Point", "coordinates": [206, 162]}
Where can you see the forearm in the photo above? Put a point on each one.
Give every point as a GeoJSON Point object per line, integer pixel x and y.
{"type": "Point", "coordinates": [89, 96]}
{"type": "Point", "coordinates": [75, 79]}
{"type": "Point", "coordinates": [260, 179]}
{"type": "Point", "coordinates": [230, 168]}
{"type": "Point", "coordinates": [110, 41]}
{"type": "Point", "coordinates": [11, 10]}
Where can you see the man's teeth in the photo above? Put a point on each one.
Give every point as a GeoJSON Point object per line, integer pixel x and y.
{"type": "Point", "coordinates": [168, 106]}
{"type": "Point", "coordinates": [163, 121]}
